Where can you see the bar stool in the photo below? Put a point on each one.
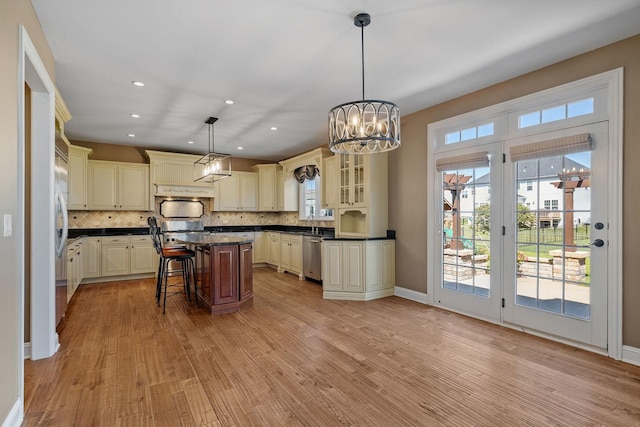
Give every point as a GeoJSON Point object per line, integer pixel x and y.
{"type": "Point", "coordinates": [179, 254]}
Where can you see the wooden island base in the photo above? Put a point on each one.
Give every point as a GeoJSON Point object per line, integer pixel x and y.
{"type": "Point", "coordinates": [224, 272]}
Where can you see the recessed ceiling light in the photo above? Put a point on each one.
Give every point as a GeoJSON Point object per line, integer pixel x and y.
{"type": "Point", "coordinates": [189, 142]}
{"type": "Point", "coordinates": [131, 135]}
{"type": "Point", "coordinates": [240, 148]}
{"type": "Point", "coordinates": [274, 128]}
{"type": "Point", "coordinates": [137, 83]}
{"type": "Point", "coordinates": [228, 102]}
{"type": "Point", "coordinates": [135, 116]}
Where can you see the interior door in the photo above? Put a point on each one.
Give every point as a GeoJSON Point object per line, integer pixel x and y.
{"type": "Point", "coordinates": [555, 259]}
{"type": "Point", "coordinates": [467, 276]}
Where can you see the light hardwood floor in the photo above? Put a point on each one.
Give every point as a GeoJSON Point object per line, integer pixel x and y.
{"type": "Point", "coordinates": [291, 358]}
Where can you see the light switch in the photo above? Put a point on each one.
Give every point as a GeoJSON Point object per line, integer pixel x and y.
{"type": "Point", "coordinates": [7, 225]}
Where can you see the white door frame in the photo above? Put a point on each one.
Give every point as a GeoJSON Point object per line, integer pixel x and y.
{"type": "Point", "coordinates": [31, 71]}
{"type": "Point", "coordinates": [611, 84]}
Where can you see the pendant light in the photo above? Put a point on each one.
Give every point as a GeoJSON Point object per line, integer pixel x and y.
{"type": "Point", "coordinates": [212, 166]}
{"type": "Point", "coordinates": [367, 126]}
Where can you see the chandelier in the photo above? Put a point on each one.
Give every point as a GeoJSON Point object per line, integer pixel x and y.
{"type": "Point", "coordinates": [212, 166]}
{"type": "Point", "coordinates": [367, 126]}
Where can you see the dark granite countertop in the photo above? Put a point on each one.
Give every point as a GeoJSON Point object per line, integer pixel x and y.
{"type": "Point", "coordinates": [213, 240]}
{"type": "Point", "coordinates": [80, 232]}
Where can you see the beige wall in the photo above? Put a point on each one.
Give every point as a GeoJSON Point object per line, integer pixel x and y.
{"type": "Point", "coordinates": [408, 176]}
{"type": "Point", "coordinates": [12, 13]}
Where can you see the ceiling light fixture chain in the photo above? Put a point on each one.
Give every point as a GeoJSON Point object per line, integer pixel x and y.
{"type": "Point", "coordinates": [367, 126]}
{"type": "Point", "coordinates": [212, 166]}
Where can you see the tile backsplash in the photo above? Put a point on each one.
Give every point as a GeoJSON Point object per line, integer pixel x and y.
{"type": "Point", "coordinates": [122, 219]}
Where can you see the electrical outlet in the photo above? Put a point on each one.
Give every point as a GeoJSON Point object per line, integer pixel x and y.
{"type": "Point", "coordinates": [7, 225]}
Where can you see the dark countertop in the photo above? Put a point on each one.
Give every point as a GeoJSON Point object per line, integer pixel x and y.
{"type": "Point", "coordinates": [213, 240]}
{"type": "Point", "coordinates": [80, 232]}
{"type": "Point", "coordinates": [356, 238]}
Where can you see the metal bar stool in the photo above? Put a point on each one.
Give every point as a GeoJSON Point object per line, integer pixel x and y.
{"type": "Point", "coordinates": [178, 254]}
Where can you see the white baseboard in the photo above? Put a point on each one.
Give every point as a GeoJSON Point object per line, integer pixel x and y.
{"type": "Point", "coordinates": [631, 355]}
{"type": "Point", "coordinates": [27, 350]}
{"type": "Point", "coordinates": [14, 418]}
{"type": "Point", "coordinates": [411, 295]}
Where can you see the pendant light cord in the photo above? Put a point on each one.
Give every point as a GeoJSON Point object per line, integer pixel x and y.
{"type": "Point", "coordinates": [362, 47]}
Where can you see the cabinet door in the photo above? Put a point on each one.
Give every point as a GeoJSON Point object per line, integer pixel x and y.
{"type": "Point", "coordinates": [246, 271]}
{"type": "Point", "coordinates": [103, 189]}
{"type": "Point", "coordinates": [295, 246]}
{"type": "Point", "coordinates": [91, 257]}
{"type": "Point", "coordinates": [331, 265]}
{"type": "Point", "coordinates": [259, 247]}
{"type": "Point", "coordinates": [77, 181]}
{"type": "Point", "coordinates": [329, 183]}
{"type": "Point", "coordinates": [280, 191]}
{"type": "Point", "coordinates": [285, 253]}
{"type": "Point", "coordinates": [388, 264]}
{"type": "Point", "coordinates": [144, 257]}
{"type": "Point", "coordinates": [353, 267]}
{"type": "Point", "coordinates": [274, 249]}
{"type": "Point", "coordinates": [71, 271]}
{"type": "Point", "coordinates": [249, 191]}
{"type": "Point", "coordinates": [133, 187]}
{"type": "Point", "coordinates": [225, 272]}
{"type": "Point", "coordinates": [115, 259]}
{"type": "Point", "coordinates": [229, 194]}
{"type": "Point", "coordinates": [267, 188]}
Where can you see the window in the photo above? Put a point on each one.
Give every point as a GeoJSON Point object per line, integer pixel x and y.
{"type": "Point", "coordinates": [559, 112]}
{"type": "Point", "coordinates": [467, 134]}
{"type": "Point", "coordinates": [310, 207]}
{"type": "Point", "coordinates": [529, 185]}
{"type": "Point", "coordinates": [465, 194]}
{"type": "Point", "coordinates": [551, 204]}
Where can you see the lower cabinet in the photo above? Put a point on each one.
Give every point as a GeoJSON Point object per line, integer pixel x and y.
{"type": "Point", "coordinates": [273, 248]}
{"type": "Point", "coordinates": [260, 247]}
{"type": "Point", "coordinates": [125, 255]}
{"type": "Point", "coordinates": [75, 268]}
{"type": "Point", "coordinates": [291, 254]}
{"type": "Point", "coordinates": [358, 269]}
{"type": "Point", "coordinates": [92, 257]}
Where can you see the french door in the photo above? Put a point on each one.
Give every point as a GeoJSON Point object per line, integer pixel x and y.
{"type": "Point", "coordinates": [555, 211]}
{"type": "Point", "coordinates": [468, 188]}
{"type": "Point", "coordinates": [522, 232]}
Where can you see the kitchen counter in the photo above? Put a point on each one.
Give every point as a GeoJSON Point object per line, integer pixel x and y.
{"type": "Point", "coordinates": [213, 240]}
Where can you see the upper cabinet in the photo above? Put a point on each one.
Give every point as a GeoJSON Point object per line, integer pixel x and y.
{"type": "Point", "coordinates": [118, 186]}
{"type": "Point", "coordinates": [329, 183]}
{"type": "Point", "coordinates": [78, 165]}
{"type": "Point", "coordinates": [239, 192]}
{"type": "Point", "coordinates": [362, 195]}
{"type": "Point", "coordinates": [268, 187]}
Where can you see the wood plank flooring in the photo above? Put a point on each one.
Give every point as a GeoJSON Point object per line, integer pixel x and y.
{"type": "Point", "coordinates": [291, 358]}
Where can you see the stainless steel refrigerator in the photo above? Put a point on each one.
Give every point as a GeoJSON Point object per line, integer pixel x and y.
{"type": "Point", "coordinates": [61, 197]}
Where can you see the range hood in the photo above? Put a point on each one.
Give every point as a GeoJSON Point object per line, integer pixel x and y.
{"type": "Point", "coordinates": [171, 190]}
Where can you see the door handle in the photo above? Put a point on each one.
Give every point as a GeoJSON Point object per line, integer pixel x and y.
{"type": "Point", "coordinates": [598, 242]}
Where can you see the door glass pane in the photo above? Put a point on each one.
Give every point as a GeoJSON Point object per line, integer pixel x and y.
{"type": "Point", "coordinates": [466, 230]}
{"type": "Point", "coordinates": [552, 239]}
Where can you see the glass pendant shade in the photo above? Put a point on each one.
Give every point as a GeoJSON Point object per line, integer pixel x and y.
{"type": "Point", "coordinates": [367, 126]}
{"type": "Point", "coordinates": [212, 166]}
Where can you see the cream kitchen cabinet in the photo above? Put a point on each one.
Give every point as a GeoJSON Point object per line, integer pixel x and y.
{"type": "Point", "coordinates": [291, 254]}
{"type": "Point", "coordinates": [116, 255]}
{"type": "Point", "coordinates": [75, 269]}
{"type": "Point", "coordinates": [267, 186]}
{"type": "Point", "coordinates": [358, 269]}
{"type": "Point", "coordinates": [78, 165]}
{"type": "Point", "coordinates": [118, 186]}
{"type": "Point", "coordinates": [259, 247]}
{"type": "Point", "coordinates": [273, 248]}
{"type": "Point", "coordinates": [92, 257]}
{"type": "Point", "coordinates": [362, 196]}
{"type": "Point", "coordinates": [144, 258]}
{"type": "Point", "coordinates": [239, 192]}
{"type": "Point", "coordinates": [329, 182]}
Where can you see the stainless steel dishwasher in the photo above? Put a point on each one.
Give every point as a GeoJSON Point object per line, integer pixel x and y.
{"type": "Point", "coordinates": [312, 257]}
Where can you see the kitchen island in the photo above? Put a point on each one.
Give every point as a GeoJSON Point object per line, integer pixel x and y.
{"type": "Point", "coordinates": [223, 271]}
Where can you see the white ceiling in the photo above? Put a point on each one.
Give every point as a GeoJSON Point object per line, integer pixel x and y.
{"type": "Point", "coordinates": [286, 63]}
